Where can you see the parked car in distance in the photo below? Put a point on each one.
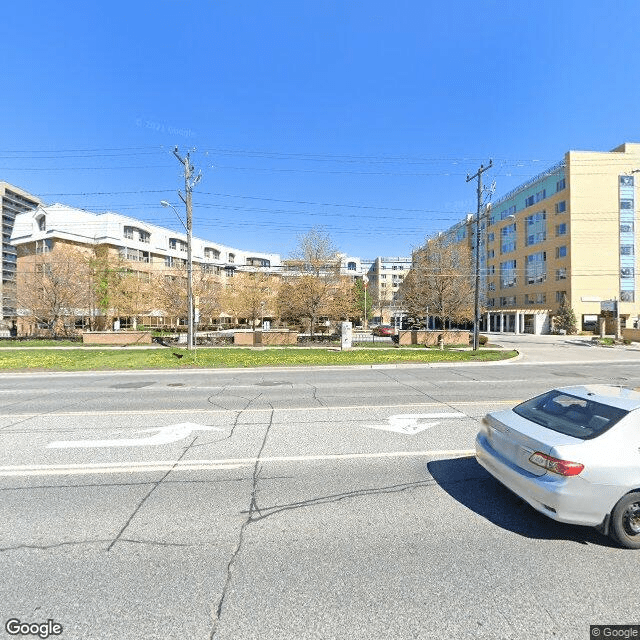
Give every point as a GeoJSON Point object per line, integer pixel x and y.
{"type": "Point", "coordinates": [383, 330]}
{"type": "Point", "coordinates": [572, 453]}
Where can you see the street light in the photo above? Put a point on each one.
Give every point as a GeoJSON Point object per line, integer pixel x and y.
{"type": "Point", "coordinates": [365, 282]}
{"type": "Point", "coordinates": [187, 227]}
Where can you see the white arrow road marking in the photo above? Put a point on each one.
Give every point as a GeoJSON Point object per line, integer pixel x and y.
{"type": "Point", "coordinates": [408, 423]}
{"type": "Point", "coordinates": [163, 435]}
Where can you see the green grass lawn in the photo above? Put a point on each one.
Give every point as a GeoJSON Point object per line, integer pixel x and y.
{"type": "Point", "coordinates": [132, 358]}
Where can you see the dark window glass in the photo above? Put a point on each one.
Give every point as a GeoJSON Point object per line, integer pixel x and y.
{"type": "Point", "coordinates": [570, 415]}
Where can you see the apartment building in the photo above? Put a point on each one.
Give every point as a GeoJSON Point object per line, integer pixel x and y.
{"type": "Point", "coordinates": [144, 248]}
{"type": "Point", "coordinates": [568, 233]}
{"type": "Point", "coordinates": [385, 275]}
{"type": "Point", "coordinates": [13, 201]}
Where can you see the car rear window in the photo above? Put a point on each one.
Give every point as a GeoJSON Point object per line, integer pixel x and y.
{"type": "Point", "coordinates": [570, 415]}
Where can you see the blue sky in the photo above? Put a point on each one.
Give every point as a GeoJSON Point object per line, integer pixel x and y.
{"type": "Point", "coordinates": [362, 117]}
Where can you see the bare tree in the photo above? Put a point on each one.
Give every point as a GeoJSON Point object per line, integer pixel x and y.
{"type": "Point", "coordinates": [207, 289]}
{"type": "Point", "coordinates": [251, 295]}
{"type": "Point", "coordinates": [131, 295]}
{"type": "Point", "coordinates": [381, 300]}
{"type": "Point", "coordinates": [52, 288]}
{"type": "Point", "coordinates": [315, 252]}
{"type": "Point", "coordinates": [313, 280]}
{"type": "Point", "coordinates": [441, 280]}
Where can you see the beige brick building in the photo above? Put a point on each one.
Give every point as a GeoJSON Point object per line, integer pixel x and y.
{"type": "Point", "coordinates": [571, 231]}
{"type": "Point", "coordinates": [385, 276]}
{"type": "Point", "coordinates": [141, 249]}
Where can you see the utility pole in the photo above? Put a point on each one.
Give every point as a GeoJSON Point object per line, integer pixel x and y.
{"type": "Point", "coordinates": [476, 304]}
{"type": "Point", "coordinates": [188, 188]}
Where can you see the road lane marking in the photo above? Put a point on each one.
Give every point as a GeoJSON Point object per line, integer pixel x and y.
{"type": "Point", "coordinates": [212, 465]}
{"type": "Point", "coordinates": [163, 435]}
{"type": "Point", "coordinates": [409, 423]}
{"type": "Point", "coordinates": [150, 412]}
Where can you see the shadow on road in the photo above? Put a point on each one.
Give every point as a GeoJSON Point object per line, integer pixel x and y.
{"type": "Point", "coordinates": [468, 483]}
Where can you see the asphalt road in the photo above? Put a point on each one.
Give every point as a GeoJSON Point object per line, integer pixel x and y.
{"type": "Point", "coordinates": [293, 503]}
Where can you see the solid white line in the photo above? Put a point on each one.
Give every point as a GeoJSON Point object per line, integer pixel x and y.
{"type": "Point", "coordinates": [151, 412]}
{"type": "Point", "coordinates": [209, 465]}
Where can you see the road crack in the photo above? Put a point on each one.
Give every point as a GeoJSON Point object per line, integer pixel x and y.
{"type": "Point", "coordinates": [253, 508]}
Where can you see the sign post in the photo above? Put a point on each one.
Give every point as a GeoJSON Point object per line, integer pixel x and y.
{"type": "Point", "coordinates": [347, 336]}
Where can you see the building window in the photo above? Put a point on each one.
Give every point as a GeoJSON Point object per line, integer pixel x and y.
{"type": "Point", "coordinates": [211, 254]}
{"type": "Point", "coordinates": [535, 228]}
{"type": "Point", "coordinates": [561, 229]}
{"type": "Point", "coordinates": [536, 267]}
{"type": "Point", "coordinates": [351, 266]}
{"type": "Point", "coordinates": [492, 286]}
{"type": "Point", "coordinates": [505, 213]}
{"type": "Point", "coordinates": [561, 274]}
{"type": "Point", "coordinates": [561, 296]}
{"type": "Point", "coordinates": [507, 274]}
{"type": "Point", "coordinates": [626, 181]}
{"type": "Point", "coordinates": [627, 272]}
{"type": "Point", "coordinates": [561, 207]}
{"type": "Point", "coordinates": [626, 249]}
{"type": "Point", "coordinates": [626, 205]}
{"type": "Point", "coordinates": [508, 238]}
{"type": "Point", "coordinates": [41, 221]}
{"type": "Point", "coordinates": [44, 246]}
{"type": "Point", "coordinates": [535, 298]}
{"type": "Point", "coordinates": [537, 197]}
{"type": "Point", "coordinates": [491, 236]}
{"type": "Point", "coordinates": [168, 261]}
{"type": "Point", "coordinates": [134, 254]}
{"type": "Point", "coordinates": [627, 296]}
{"type": "Point", "coordinates": [490, 254]}
{"type": "Point", "coordinates": [232, 258]}
{"type": "Point", "coordinates": [626, 227]}
{"type": "Point", "coordinates": [131, 233]}
{"type": "Point", "coordinates": [561, 252]}
{"type": "Point", "coordinates": [561, 184]}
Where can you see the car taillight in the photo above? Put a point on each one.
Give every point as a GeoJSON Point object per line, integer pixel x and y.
{"type": "Point", "coordinates": [561, 467]}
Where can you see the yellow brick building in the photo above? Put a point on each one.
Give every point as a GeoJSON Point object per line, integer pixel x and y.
{"type": "Point", "coordinates": [570, 231]}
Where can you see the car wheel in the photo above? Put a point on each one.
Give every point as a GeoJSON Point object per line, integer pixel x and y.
{"type": "Point", "coordinates": [625, 521]}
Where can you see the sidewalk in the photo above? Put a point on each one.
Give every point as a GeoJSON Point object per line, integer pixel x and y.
{"type": "Point", "coordinates": [554, 348]}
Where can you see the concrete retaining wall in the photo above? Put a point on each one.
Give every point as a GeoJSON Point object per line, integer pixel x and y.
{"type": "Point", "coordinates": [631, 334]}
{"type": "Point", "coordinates": [431, 337]}
{"type": "Point", "coordinates": [264, 338]}
{"type": "Point", "coordinates": [116, 337]}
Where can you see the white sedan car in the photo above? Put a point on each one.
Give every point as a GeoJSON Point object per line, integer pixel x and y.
{"type": "Point", "coordinates": [572, 453]}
